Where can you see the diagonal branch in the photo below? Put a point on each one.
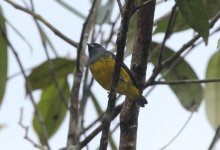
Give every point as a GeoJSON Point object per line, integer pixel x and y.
{"type": "Point", "coordinates": [215, 139]}
{"type": "Point", "coordinates": [29, 91]}
{"type": "Point", "coordinates": [120, 7]}
{"type": "Point", "coordinates": [167, 34]}
{"type": "Point", "coordinates": [26, 129]}
{"type": "Point", "coordinates": [175, 56]}
{"type": "Point", "coordinates": [181, 82]}
{"type": "Point", "coordinates": [84, 142]}
{"type": "Point", "coordinates": [179, 132]}
{"type": "Point", "coordinates": [51, 66]}
{"type": "Point", "coordinates": [40, 18]}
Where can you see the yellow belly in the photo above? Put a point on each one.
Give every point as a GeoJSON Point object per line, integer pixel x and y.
{"type": "Point", "coordinates": [102, 71]}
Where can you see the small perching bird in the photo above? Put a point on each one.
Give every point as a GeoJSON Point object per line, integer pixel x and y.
{"type": "Point", "coordinates": [102, 62]}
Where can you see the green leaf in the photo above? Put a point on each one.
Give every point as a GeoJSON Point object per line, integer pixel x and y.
{"type": "Point", "coordinates": [103, 14]}
{"type": "Point", "coordinates": [180, 24]}
{"type": "Point", "coordinates": [3, 57]}
{"type": "Point", "coordinates": [189, 97]}
{"type": "Point", "coordinates": [41, 76]}
{"type": "Point", "coordinates": [212, 6]}
{"type": "Point", "coordinates": [194, 13]}
{"type": "Point", "coordinates": [52, 109]}
{"type": "Point", "coordinates": [212, 94]}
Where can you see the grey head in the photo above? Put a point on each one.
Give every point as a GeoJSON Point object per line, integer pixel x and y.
{"type": "Point", "coordinates": [95, 51]}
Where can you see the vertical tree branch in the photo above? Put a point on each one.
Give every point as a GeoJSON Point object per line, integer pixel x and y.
{"type": "Point", "coordinates": [74, 133]}
{"type": "Point", "coordinates": [130, 111]}
{"type": "Point", "coordinates": [120, 43]}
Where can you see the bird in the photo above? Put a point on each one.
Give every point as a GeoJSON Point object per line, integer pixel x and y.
{"type": "Point", "coordinates": [101, 63]}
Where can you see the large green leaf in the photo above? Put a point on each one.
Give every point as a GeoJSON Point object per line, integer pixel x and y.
{"type": "Point", "coordinates": [212, 91]}
{"type": "Point", "coordinates": [52, 109]}
{"type": "Point", "coordinates": [212, 6]}
{"type": "Point", "coordinates": [3, 57]}
{"type": "Point", "coordinates": [41, 75]}
{"type": "Point", "coordinates": [180, 24]}
{"type": "Point", "coordinates": [195, 14]}
{"type": "Point", "coordinates": [190, 95]}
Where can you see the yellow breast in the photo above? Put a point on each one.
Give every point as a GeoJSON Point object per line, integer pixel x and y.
{"type": "Point", "coordinates": [102, 71]}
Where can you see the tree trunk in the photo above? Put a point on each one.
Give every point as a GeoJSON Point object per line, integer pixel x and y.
{"type": "Point", "coordinates": [130, 110]}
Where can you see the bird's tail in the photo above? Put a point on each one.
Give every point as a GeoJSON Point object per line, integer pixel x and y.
{"type": "Point", "coordinates": [142, 101]}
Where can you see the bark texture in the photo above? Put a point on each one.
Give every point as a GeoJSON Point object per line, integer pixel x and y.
{"type": "Point", "coordinates": [130, 110]}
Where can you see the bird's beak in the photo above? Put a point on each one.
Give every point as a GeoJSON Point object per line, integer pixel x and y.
{"type": "Point", "coordinates": [90, 45]}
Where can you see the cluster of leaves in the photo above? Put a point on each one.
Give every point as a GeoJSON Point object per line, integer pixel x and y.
{"type": "Point", "coordinates": [189, 15]}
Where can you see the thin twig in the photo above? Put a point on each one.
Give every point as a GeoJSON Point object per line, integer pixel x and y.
{"type": "Point", "coordinates": [95, 36]}
{"type": "Point", "coordinates": [26, 129]}
{"type": "Point", "coordinates": [179, 52]}
{"type": "Point", "coordinates": [51, 67]}
{"type": "Point", "coordinates": [190, 43]}
{"type": "Point", "coordinates": [92, 124]}
{"type": "Point", "coordinates": [18, 33]}
{"type": "Point", "coordinates": [29, 91]}
{"type": "Point", "coordinates": [41, 31]}
{"type": "Point", "coordinates": [120, 7]}
{"type": "Point", "coordinates": [83, 102]}
{"type": "Point", "coordinates": [167, 34]}
{"type": "Point", "coordinates": [215, 139]}
{"type": "Point", "coordinates": [115, 128]}
{"type": "Point", "coordinates": [71, 9]}
{"type": "Point", "coordinates": [40, 18]}
{"type": "Point", "coordinates": [181, 82]}
{"type": "Point", "coordinates": [179, 132]}
{"type": "Point", "coordinates": [112, 31]}
{"type": "Point", "coordinates": [84, 142]}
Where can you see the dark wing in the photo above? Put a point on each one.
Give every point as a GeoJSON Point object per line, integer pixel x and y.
{"type": "Point", "coordinates": [125, 67]}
